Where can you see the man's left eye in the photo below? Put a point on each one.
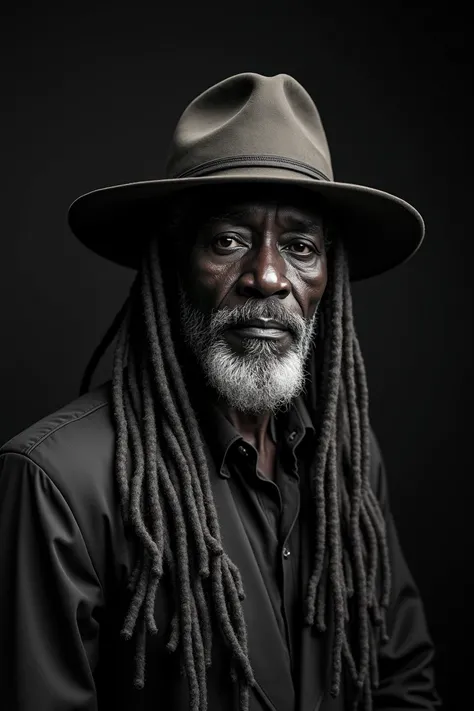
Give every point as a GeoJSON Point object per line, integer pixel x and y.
{"type": "Point", "coordinates": [302, 248]}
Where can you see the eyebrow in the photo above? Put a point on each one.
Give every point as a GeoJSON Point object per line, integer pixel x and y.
{"type": "Point", "coordinates": [231, 214]}
{"type": "Point", "coordinates": [303, 223]}
{"type": "Point", "coordinates": [293, 222]}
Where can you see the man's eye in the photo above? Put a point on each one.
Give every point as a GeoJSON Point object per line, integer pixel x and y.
{"type": "Point", "coordinates": [226, 242]}
{"type": "Point", "coordinates": [302, 248]}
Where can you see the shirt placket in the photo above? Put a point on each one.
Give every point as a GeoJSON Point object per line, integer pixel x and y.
{"type": "Point", "coordinates": [290, 541]}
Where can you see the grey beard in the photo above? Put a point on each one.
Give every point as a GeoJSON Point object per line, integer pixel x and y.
{"type": "Point", "coordinates": [260, 379]}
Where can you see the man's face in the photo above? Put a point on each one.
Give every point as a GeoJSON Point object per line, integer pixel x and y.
{"type": "Point", "coordinates": [251, 282]}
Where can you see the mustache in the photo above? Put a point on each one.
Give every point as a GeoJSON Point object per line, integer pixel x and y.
{"type": "Point", "coordinates": [225, 318]}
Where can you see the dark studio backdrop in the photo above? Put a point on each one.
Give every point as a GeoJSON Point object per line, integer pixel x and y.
{"type": "Point", "coordinates": [92, 94]}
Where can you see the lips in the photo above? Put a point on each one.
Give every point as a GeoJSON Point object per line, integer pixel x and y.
{"type": "Point", "coordinates": [262, 323]}
{"type": "Point", "coordinates": [260, 328]}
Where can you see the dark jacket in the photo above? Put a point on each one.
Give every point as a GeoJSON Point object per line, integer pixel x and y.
{"type": "Point", "coordinates": [65, 558]}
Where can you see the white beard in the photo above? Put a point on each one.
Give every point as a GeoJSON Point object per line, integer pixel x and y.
{"type": "Point", "coordinates": [260, 379]}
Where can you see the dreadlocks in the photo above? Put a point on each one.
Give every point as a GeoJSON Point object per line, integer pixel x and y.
{"type": "Point", "coordinates": [169, 505]}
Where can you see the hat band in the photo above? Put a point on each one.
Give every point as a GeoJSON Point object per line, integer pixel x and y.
{"type": "Point", "coordinates": [253, 161]}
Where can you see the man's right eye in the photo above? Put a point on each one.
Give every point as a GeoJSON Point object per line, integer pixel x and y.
{"type": "Point", "coordinates": [226, 242]}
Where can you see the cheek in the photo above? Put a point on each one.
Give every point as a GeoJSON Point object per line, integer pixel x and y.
{"type": "Point", "coordinates": [204, 281]}
{"type": "Point", "coordinates": [312, 287]}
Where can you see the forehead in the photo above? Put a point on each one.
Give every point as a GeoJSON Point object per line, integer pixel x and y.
{"type": "Point", "coordinates": [252, 204]}
{"type": "Point", "coordinates": [257, 210]}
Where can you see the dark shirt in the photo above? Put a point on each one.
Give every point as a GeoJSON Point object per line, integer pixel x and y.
{"type": "Point", "coordinates": [270, 510]}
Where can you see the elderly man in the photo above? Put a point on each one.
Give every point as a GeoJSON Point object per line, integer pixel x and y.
{"type": "Point", "coordinates": [211, 528]}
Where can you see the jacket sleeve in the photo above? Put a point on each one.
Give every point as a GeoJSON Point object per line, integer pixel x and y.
{"type": "Point", "coordinates": [50, 596]}
{"type": "Point", "coordinates": [406, 660]}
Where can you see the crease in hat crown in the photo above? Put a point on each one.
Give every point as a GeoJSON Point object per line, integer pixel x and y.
{"type": "Point", "coordinates": [250, 120]}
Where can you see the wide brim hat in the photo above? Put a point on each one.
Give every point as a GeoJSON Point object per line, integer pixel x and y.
{"type": "Point", "coordinates": [251, 130]}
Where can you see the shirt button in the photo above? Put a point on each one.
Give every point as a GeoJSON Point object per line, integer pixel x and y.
{"type": "Point", "coordinates": [292, 435]}
{"type": "Point", "coordinates": [286, 553]}
{"type": "Point", "coordinates": [242, 450]}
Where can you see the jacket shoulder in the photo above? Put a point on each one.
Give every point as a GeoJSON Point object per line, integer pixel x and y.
{"type": "Point", "coordinates": [74, 447]}
{"type": "Point", "coordinates": [67, 421]}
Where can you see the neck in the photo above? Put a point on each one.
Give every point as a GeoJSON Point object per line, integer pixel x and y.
{"type": "Point", "coordinates": [253, 428]}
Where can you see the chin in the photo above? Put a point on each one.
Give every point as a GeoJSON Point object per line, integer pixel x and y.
{"type": "Point", "coordinates": [261, 379]}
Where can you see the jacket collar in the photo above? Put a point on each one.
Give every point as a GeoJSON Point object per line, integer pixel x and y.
{"type": "Point", "coordinates": [290, 427]}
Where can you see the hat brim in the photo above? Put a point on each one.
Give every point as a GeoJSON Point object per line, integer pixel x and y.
{"type": "Point", "coordinates": [380, 231]}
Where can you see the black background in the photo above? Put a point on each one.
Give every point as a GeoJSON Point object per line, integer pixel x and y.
{"type": "Point", "coordinates": [92, 95]}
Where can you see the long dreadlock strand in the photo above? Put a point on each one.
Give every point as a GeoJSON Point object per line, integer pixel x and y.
{"type": "Point", "coordinates": [169, 475]}
{"type": "Point", "coordinates": [144, 499]}
{"type": "Point", "coordinates": [168, 557]}
{"type": "Point", "coordinates": [374, 660]}
{"type": "Point", "coordinates": [199, 654]}
{"type": "Point", "coordinates": [335, 568]}
{"type": "Point", "coordinates": [348, 656]}
{"type": "Point", "coordinates": [373, 510]}
{"type": "Point", "coordinates": [372, 552]}
{"type": "Point", "coordinates": [142, 584]}
{"type": "Point", "coordinates": [371, 503]}
{"type": "Point", "coordinates": [333, 317]}
{"type": "Point", "coordinates": [345, 524]}
{"type": "Point", "coordinates": [321, 596]}
{"type": "Point", "coordinates": [135, 520]}
{"type": "Point", "coordinates": [348, 576]}
{"type": "Point", "coordinates": [346, 571]}
{"type": "Point", "coordinates": [357, 471]}
{"type": "Point", "coordinates": [362, 397]}
{"type": "Point", "coordinates": [151, 494]}
{"type": "Point", "coordinates": [369, 532]}
{"type": "Point", "coordinates": [133, 406]}
{"type": "Point", "coordinates": [120, 419]}
{"type": "Point", "coordinates": [204, 621]}
{"type": "Point", "coordinates": [237, 578]}
{"type": "Point", "coordinates": [225, 620]}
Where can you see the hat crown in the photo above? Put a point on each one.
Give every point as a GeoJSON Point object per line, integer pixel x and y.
{"type": "Point", "coordinates": [249, 118]}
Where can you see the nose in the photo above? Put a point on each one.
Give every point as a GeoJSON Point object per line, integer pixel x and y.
{"type": "Point", "coordinates": [264, 275]}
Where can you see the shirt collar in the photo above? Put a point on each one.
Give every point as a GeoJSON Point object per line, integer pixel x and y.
{"type": "Point", "coordinates": [291, 427]}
